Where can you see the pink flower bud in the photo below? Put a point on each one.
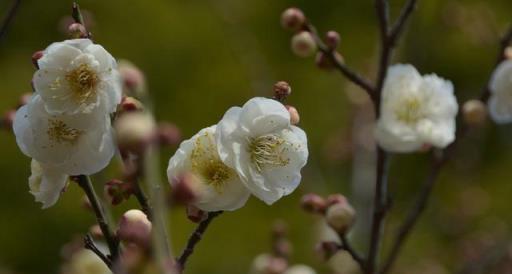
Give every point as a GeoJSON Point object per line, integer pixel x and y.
{"type": "Point", "coordinates": [313, 203]}
{"type": "Point", "coordinates": [135, 227]}
{"type": "Point", "coordinates": [117, 191]}
{"type": "Point", "coordinates": [303, 44]}
{"type": "Point", "coordinates": [294, 114]}
{"type": "Point", "coordinates": [340, 217]}
{"type": "Point", "coordinates": [336, 199]}
{"type": "Point", "coordinates": [184, 189]}
{"type": "Point", "coordinates": [293, 19]}
{"type": "Point", "coordinates": [168, 134]}
{"type": "Point", "coordinates": [129, 104]}
{"type": "Point", "coordinates": [282, 90]}
{"type": "Point", "coordinates": [35, 57]}
{"type": "Point", "coordinates": [132, 76]}
{"type": "Point", "coordinates": [195, 214]}
{"type": "Point", "coordinates": [77, 30]}
{"type": "Point", "coordinates": [332, 39]}
{"type": "Point", "coordinates": [474, 112]}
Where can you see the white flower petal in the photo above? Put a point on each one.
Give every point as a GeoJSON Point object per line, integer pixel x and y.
{"type": "Point", "coordinates": [500, 102]}
{"type": "Point", "coordinates": [261, 116]}
{"type": "Point", "coordinates": [46, 183]}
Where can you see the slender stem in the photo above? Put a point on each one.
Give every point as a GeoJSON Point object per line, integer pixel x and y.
{"type": "Point", "coordinates": [345, 245]}
{"type": "Point", "coordinates": [413, 216]}
{"type": "Point", "coordinates": [89, 244]}
{"type": "Point", "coordinates": [113, 244]}
{"type": "Point", "coordinates": [194, 239]}
{"type": "Point", "coordinates": [142, 199]}
{"type": "Point", "coordinates": [341, 67]}
{"type": "Point", "coordinates": [399, 25]}
{"type": "Point", "coordinates": [9, 17]}
{"type": "Point", "coordinates": [380, 209]}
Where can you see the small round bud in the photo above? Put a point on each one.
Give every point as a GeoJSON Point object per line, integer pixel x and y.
{"type": "Point", "coordinates": [327, 249]}
{"type": "Point", "coordinates": [35, 57]}
{"type": "Point", "coordinates": [135, 227]}
{"type": "Point", "coordinates": [508, 52]}
{"type": "Point", "coordinates": [303, 44]}
{"type": "Point", "coordinates": [340, 217]}
{"type": "Point", "coordinates": [117, 191]}
{"type": "Point", "coordinates": [195, 214]}
{"type": "Point", "coordinates": [129, 104]}
{"type": "Point", "coordinates": [313, 203]}
{"type": "Point", "coordinates": [282, 90]}
{"type": "Point", "coordinates": [332, 39]}
{"type": "Point", "coordinates": [474, 112]}
{"type": "Point", "coordinates": [294, 115]}
{"type": "Point", "coordinates": [77, 30]}
{"type": "Point", "coordinates": [184, 189]}
{"type": "Point", "coordinates": [293, 19]}
{"type": "Point", "coordinates": [8, 119]}
{"type": "Point", "coordinates": [323, 61]}
{"type": "Point", "coordinates": [300, 269]}
{"type": "Point", "coordinates": [134, 131]}
{"type": "Point", "coordinates": [168, 134]}
{"type": "Point", "coordinates": [133, 78]}
{"type": "Point", "coordinates": [336, 199]}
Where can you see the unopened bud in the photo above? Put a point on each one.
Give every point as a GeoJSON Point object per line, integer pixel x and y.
{"type": "Point", "coordinates": [336, 199]}
{"type": "Point", "coordinates": [327, 249]}
{"type": "Point", "coordinates": [474, 112]}
{"type": "Point", "coordinates": [300, 269]}
{"type": "Point", "coordinates": [268, 264]}
{"type": "Point", "coordinates": [323, 61]}
{"type": "Point", "coordinates": [282, 90]}
{"type": "Point", "coordinates": [294, 115]}
{"type": "Point", "coordinates": [313, 203]}
{"type": "Point", "coordinates": [77, 30]}
{"type": "Point", "coordinates": [508, 53]}
{"type": "Point", "coordinates": [293, 19]}
{"type": "Point", "coordinates": [168, 134]}
{"type": "Point", "coordinates": [184, 189]}
{"type": "Point", "coordinates": [129, 104]}
{"type": "Point", "coordinates": [303, 44]}
{"type": "Point", "coordinates": [332, 39]}
{"type": "Point", "coordinates": [135, 227]}
{"type": "Point", "coordinates": [132, 76]}
{"type": "Point", "coordinates": [134, 131]}
{"type": "Point", "coordinates": [340, 217]}
{"type": "Point", "coordinates": [8, 119]}
{"type": "Point", "coordinates": [35, 57]}
{"type": "Point", "coordinates": [117, 191]}
{"type": "Point", "coordinates": [195, 214]}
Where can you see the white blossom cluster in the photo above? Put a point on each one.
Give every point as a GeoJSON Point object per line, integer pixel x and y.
{"type": "Point", "coordinates": [66, 127]}
{"type": "Point", "coordinates": [254, 149]}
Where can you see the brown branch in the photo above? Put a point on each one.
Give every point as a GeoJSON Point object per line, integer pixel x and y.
{"type": "Point", "coordinates": [113, 244]}
{"type": "Point", "coordinates": [9, 17]}
{"type": "Point", "coordinates": [194, 239]}
{"type": "Point", "coordinates": [352, 76]}
{"type": "Point", "coordinates": [78, 18]}
{"type": "Point", "coordinates": [345, 245]}
{"type": "Point", "coordinates": [89, 244]}
{"type": "Point", "coordinates": [399, 25]}
{"type": "Point", "coordinates": [142, 199]}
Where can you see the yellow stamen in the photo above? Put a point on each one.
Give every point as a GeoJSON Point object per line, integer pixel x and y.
{"type": "Point", "coordinates": [59, 132]}
{"type": "Point", "coordinates": [268, 150]}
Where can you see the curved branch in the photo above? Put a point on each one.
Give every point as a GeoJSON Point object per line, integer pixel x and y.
{"type": "Point", "coordinates": [9, 17]}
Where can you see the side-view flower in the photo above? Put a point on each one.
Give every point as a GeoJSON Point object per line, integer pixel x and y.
{"type": "Point", "coordinates": [416, 111]}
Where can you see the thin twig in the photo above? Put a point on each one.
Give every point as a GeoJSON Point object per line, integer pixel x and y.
{"type": "Point", "coordinates": [399, 25]}
{"type": "Point", "coordinates": [194, 239]}
{"type": "Point", "coordinates": [89, 244]}
{"type": "Point", "coordinates": [354, 77]}
{"type": "Point", "coordinates": [142, 199]}
{"type": "Point", "coordinates": [345, 245]}
{"type": "Point", "coordinates": [76, 13]}
{"type": "Point", "coordinates": [113, 244]}
{"type": "Point", "coordinates": [414, 214]}
{"type": "Point", "coordinates": [9, 17]}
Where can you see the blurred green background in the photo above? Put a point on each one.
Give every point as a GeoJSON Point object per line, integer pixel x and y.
{"type": "Point", "coordinates": [202, 57]}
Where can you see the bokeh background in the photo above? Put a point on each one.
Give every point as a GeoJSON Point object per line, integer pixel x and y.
{"type": "Point", "coordinates": [202, 57]}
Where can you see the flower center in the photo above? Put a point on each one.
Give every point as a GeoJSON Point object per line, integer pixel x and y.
{"type": "Point", "coordinates": [83, 82]}
{"type": "Point", "coordinates": [207, 164]}
{"type": "Point", "coordinates": [59, 132]}
{"type": "Point", "coordinates": [409, 111]}
{"type": "Point", "coordinates": [268, 150]}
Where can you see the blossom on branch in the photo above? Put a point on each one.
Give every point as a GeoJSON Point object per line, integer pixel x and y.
{"type": "Point", "coordinates": [416, 111]}
{"type": "Point", "coordinates": [260, 144]}
{"type": "Point", "coordinates": [500, 102]}
{"type": "Point", "coordinates": [77, 76]}
{"type": "Point", "coordinates": [215, 185]}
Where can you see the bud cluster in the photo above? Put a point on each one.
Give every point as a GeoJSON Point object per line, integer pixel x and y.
{"type": "Point", "coordinates": [337, 211]}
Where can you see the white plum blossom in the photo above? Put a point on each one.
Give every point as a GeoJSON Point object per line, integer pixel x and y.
{"type": "Point", "coordinates": [72, 144]}
{"type": "Point", "coordinates": [500, 102]}
{"type": "Point", "coordinates": [77, 76]}
{"type": "Point", "coordinates": [46, 183]}
{"type": "Point", "coordinates": [259, 143]}
{"type": "Point", "coordinates": [216, 186]}
{"type": "Point", "coordinates": [416, 111]}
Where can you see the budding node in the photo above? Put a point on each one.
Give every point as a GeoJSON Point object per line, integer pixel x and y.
{"type": "Point", "coordinates": [293, 19]}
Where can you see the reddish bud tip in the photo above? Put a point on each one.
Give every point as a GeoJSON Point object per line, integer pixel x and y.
{"type": "Point", "coordinates": [313, 203]}
{"type": "Point", "coordinates": [336, 199]}
{"type": "Point", "coordinates": [77, 30]}
{"type": "Point", "coordinates": [332, 39]}
{"type": "Point", "coordinates": [293, 19]}
{"type": "Point", "coordinates": [35, 57]}
{"type": "Point", "coordinates": [282, 90]}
